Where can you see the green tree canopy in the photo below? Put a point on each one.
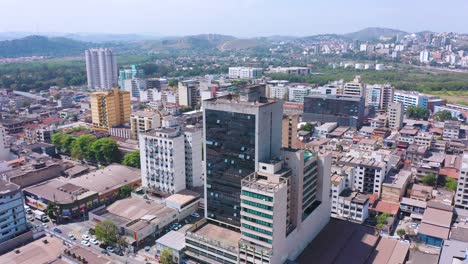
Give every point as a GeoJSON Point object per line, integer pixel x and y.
{"type": "Point", "coordinates": [417, 112]}
{"type": "Point", "coordinates": [132, 159]}
{"type": "Point", "coordinates": [104, 150]}
{"type": "Point", "coordinates": [307, 127]}
{"type": "Point", "coordinates": [401, 232]}
{"type": "Point", "coordinates": [173, 82]}
{"type": "Point", "coordinates": [429, 179]}
{"type": "Point", "coordinates": [166, 257]}
{"type": "Point", "coordinates": [125, 191]}
{"type": "Point", "coordinates": [107, 232]}
{"type": "Point", "coordinates": [81, 147]}
{"type": "Point", "coordinates": [450, 184]}
{"type": "Point", "coordinates": [443, 115]}
{"type": "Point", "coordinates": [382, 220]}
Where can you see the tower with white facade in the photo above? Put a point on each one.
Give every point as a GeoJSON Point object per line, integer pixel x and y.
{"type": "Point", "coordinates": [101, 69]}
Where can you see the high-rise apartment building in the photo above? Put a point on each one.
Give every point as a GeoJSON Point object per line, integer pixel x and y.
{"type": "Point", "coordinates": [188, 94]}
{"type": "Point", "coordinates": [289, 135]}
{"type": "Point", "coordinates": [356, 87]}
{"type": "Point", "coordinates": [101, 69]}
{"type": "Point", "coordinates": [143, 121]}
{"type": "Point", "coordinates": [12, 213]}
{"type": "Point", "coordinates": [395, 114]}
{"type": "Point", "coordinates": [162, 156]}
{"type": "Point", "coordinates": [136, 87]}
{"type": "Point", "coordinates": [130, 73]}
{"type": "Point", "coordinates": [379, 96]}
{"type": "Point", "coordinates": [110, 108]}
{"type": "Point", "coordinates": [240, 131]}
{"type": "Point", "coordinates": [410, 99]}
{"type": "Point", "coordinates": [461, 198]}
{"type": "Point", "coordinates": [193, 157]}
{"type": "Point", "coordinates": [346, 110]}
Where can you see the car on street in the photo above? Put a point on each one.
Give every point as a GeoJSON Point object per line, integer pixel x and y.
{"type": "Point", "coordinates": [147, 248]}
{"type": "Point", "coordinates": [196, 215]}
{"type": "Point", "coordinates": [94, 241]}
{"type": "Point", "coordinates": [71, 236]}
{"type": "Point", "coordinates": [85, 237]}
{"type": "Point", "coordinates": [110, 249]}
{"type": "Point", "coordinates": [57, 230]}
{"type": "Point", "coordinates": [44, 225]}
{"type": "Point", "coordinates": [85, 243]}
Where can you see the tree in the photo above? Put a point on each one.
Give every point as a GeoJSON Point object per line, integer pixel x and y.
{"type": "Point", "coordinates": [166, 257]}
{"type": "Point", "coordinates": [51, 209]}
{"type": "Point", "coordinates": [184, 109]}
{"type": "Point", "coordinates": [173, 82]}
{"type": "Point", "coordinates": [104, 150]}
{"type": "Point", "coordinates": [450, 184]}
{"type": "Point", "coordinates": [382, 220]}
{"type": "Point", "coordinates": [81, 147]}
{"type": "Point", "coordinates": [307, 127]}
{"type": "Point", "coordinates": [67, 143]}
{"type": "Point", "coordinates": [429, 179]}
{"type": "Point", "coordinates": [57, 140]}
{"type": "Point", "coordinates": [132, 159]}
{"type": "Point", "coordinates": [401, 232]}
{"type": "Point", "coordinates": [125, 191]}
{"type": "Point", "coordinates": [417, 112]}
{"type": "Point", "coordinates": [107, 232]}
{"type": "Point", "coordinates": [443, 115]}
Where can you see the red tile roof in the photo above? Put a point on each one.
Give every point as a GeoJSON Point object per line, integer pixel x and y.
{"type": "Point", "coordinates": [386, 207]}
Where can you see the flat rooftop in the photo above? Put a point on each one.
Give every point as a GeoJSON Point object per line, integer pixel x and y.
{"type": "Point", "coordinates": [183, 197]}
{"type": "Point", "coordinates": [389, 251]}
{"type": "Point", "coordinates": [221, 234]}
{"type": "Point", "coordinates": [340, 242]}
{"type": "Point", "coordinates": [173, 239]}
{"type": "Point", "coordinates": [136, 208]}
{"type": "Point", "coordinates": [7, 187]}
{"type": "Point", "coordinates": [35, 252]}
{"type": "Point", "coordinates": [59, 191]}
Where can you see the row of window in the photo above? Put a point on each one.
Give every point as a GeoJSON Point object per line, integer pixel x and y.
{"type": "Point", "coordinates": [256, 229]}
{"type": "Point", "coordinates": [269, 241]}
{"type": "Point", "coordinates": [250, 211]}
{"type": "Point", "coordinates": [259, 205]}
{"type": "Point", "coordinates": [258, 196]}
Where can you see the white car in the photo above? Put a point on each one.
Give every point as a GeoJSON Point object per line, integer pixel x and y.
{"type": "Point", "coordinates": [85, 237]}
{"type": "Point", "coordinates": [94, 241]}
{"type": "Point", "coordinates": [44, 225]}
{"type": "Point", "coordinates": [71, 236]}
{"type": "Point", "coordinates": [85, 243]}
{"type": "Point", "coordinates": [196, 215]}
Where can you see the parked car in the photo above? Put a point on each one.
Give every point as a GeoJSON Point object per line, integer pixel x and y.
{"type": "Point", "coordinates": [57, 230]}
{"type": "Point", "coordinates": [85, 243]}
{"type": "Point", "coordinates": [44, 225]}
{"type": "Point", "coordinates": [94, 241]}
{"type": "Point", "coordinates": [85, 237]}
{"type": "Point", "coordinates": [196, 215]}
{"type": "Point", "coordinates": [110, 249]}
{"type": "Point", "coordinates": [147, 248]}
{"type": "Point", "coordinates": [71, 236]}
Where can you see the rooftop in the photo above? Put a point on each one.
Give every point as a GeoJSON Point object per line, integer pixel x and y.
{"type": "Point", "coordinates": [174, 240]}
{"type": "Point", "coordinates": [389, 251]}
{"type": "Point", "coordinates": [453, 252]}
{"type": "Point", "coordinates": [35, 252]}
{"type": "Point", "coordinates": [7, 187]}
{"type": "Point", "coordinates": [217, 233]}
{"type": "Point", "coordinates": [59, 191]}
{"type": "Point", "coordinates": [437, 217]}
{"type": "Point", "coordinates": [144, 113]}
{"type": "Point", "coordinates": [183, 197]}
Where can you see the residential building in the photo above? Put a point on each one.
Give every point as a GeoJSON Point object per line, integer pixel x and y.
{"type": "Point", "coordinates": [193, 157]}
{"type": "Point", "coordinates": [136, 87]}
{"type": "Point", "coordinates": [4, 150]}
{"type": "Point", "coordinates": [101, 69]}
{"type": "Point", "coordinates": [351, 206]}
{"type": "Point", "coordinates": [245, 73]}
{"type": "Point", "coordinates": [302, 71]}
{"type": "Point", "coordinates": [395, 115]}
{"type": "Point", "coordinates": [13, 216]}
{"type": "Point", "coordinates": [130, 73]}
{"type": "Point", "coordinates": [346, 110]}
{"type": "Point", "coordinates": [435, 224]}
{"type": "Point", "coordinates": [451, 130]}
{"type": "Point", "coordinates": [355, 88]}
{"type": "Point", "coordinates": [298, 93]}
{"type": "Point", "coordinates": [289, 135]}
{"type": "Point", "coordinates": [410, 99]}
{"type": "Point", "coordinates": [369, 174]}
{"type": "Point", "coordinates": [461, 198]}
{"type": "Point", "coordinates": [424, 139]}
{"type": "Point", "coordinates": [395, 189]}
{"type": "Point", "coordinates": [173, 241]}
{"type": "Point", "coordinates": [162, 156]}
{"type": "Point", "coordinates": [323, 130]}
{"type": "Point", "coordinates": [110, 108]}
{"type": "Point", "coordinates": [143, 121]}
{"type": "Point", "coordinates": [278, 91]}
{"type": "Point", "coordinates": [188, 94]}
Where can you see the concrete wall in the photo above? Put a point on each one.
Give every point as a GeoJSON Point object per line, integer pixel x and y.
{"type": "Point", "coordinates": [37, 176]}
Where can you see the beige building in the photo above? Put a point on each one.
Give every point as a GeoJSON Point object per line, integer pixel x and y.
{"type": "Point", "coordinates": [395, 115]}
{"type": "Point", "coordinates": [143, 121]}
{"type": "Point", "coordinates": [289, 135]}
{"type": "Point", "coordinates": [110, 108]}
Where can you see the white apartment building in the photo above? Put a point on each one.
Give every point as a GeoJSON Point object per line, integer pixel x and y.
{"type": "Point", "coordinates": [277, 91]}
{"type": "Point", "coordinates": [410, 99]}
{"type": "Point", "coordinates": [424, 139]}
{"type": "Point", "coordinates": [346, 204]}
{"type": "Point", "coordinates": [101, 69]}
{"type": "Point", "coordinates": [395, 115]}
{"type": "Point", "coordinates": [137, 88]}
{"type": "Point", "coordinates": [12, 213]}
{"type": "Point", "coordinates": [193, 157]}
{"type": "Point", "coordinates": [369, 174]}
{"type": "Point", "coordinates": [297, 93]}
{"type": "Point", "coordinates": [245, 73]}
{"type": "Point", "coordinates": [143, 121]}
{"type": "Point", "coordinates": [424, 56]}
{"type": "Point", "coordinates": [451, 131]}
{"type": "Point", "coordinates": [323, 130]}
{"type": "Point", "coordinates": [461, 198]}
{"type": "Point", "coordinates": [163, 160]}
{"type": "Point", "coordinates": [379, 96]}
{"type": "Point", "coordinates": [188, 93]}
{"type": "Point", "coordinates": [291, 70]}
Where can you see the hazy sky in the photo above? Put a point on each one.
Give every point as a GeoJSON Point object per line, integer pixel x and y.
{"type": "Point", "coordinates": [233, 17]}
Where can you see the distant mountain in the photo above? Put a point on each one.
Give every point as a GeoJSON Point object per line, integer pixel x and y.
{"type": "Point", "coordinates": [373, 33]}
{"type": "Point", "coordinates": [240, 44]}
{"type": "Point", "coordinates": [41, 46]}
{"type": "Point", "coordinates": [99, 38]}
{"type": "Point", "coordinates": [196, 42]}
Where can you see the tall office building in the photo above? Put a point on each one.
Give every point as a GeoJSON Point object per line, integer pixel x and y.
{"type": "Point", "coordinates": [240, 131]}
{"type": "Point", "coordinates": [13, 217]}
{"type": "Point", "coordinates": [346, 110]}
{"type": "Point", "coordinates": [110, 108]}
{"type": "Point", "coordinates": [101, 69]}
{"type": "Point", "coordinates": [188, 94]}
{"type": "Point", "coordinates": [289, 135]}
{"type": "Point", "coordinates": [163, 160]}
{"type": "Point", "coordinates": [396, 113]}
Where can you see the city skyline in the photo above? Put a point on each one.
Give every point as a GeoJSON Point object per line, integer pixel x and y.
{"type": "Point", "coordinates": [294, 18]}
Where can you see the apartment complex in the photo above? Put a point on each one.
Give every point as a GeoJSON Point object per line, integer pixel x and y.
{"type": "Point", "coordinates": [395, 115]}
{"type": "Point", "coordinates": [356, 87]}
{"type": "Point", "coordinates": [193, 157]}
{"type": "Point", "coordinates": [188, 94]}
{"type": "Point", "coordinates": [110, 108]}
{"type": "Point", "coordinates": [461, 198]}
{"type": "Point", "coordinates": [13, 216]}
{"type": "Point", "coordinates": [143, 121]}
{"type": "Point", "coordinates": [379, 96]}
{"type": "Point", "coordinates": [410, 99]}
{"type": "Point", "coordinates": [245, 73]}
{"type": "Point", "coordinates": [289, 135]}
{"type": "Point", "coordinates": [163, 160]}
{"type": "Point", "coordinates": [101, 69]}
{"type": "Point", "coordinates": [130, 73]}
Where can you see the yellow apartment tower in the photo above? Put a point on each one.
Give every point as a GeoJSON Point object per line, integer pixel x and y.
{"type": "Point", "coordinates": [110, 108]}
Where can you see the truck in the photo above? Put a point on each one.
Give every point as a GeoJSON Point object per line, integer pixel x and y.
{"type": "Point", "coordinates": [40, 215]}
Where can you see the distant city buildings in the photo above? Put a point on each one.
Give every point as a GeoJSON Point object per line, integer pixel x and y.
{"type": "Point", "coordinates": [410, 99]}
{"type": "Point", "coordinates": [101, 69]}
{"type": "Point", "coordinates": [245, 73]}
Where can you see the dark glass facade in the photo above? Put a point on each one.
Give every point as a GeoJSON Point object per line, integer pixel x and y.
{"type": "Point", "coordinates": [230, 156]}
{"type": "Point", "coordinates": [345, 110]}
